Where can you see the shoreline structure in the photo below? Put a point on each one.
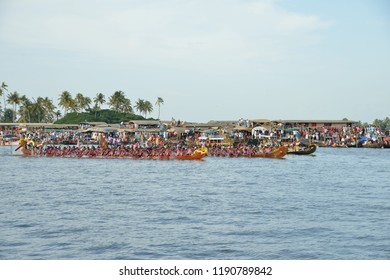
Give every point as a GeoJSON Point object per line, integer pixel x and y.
{"type": "Point", "coordinates": [154, 133]}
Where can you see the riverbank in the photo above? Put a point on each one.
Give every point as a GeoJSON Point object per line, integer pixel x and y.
{"type": "Point", "coordinates": [214, 133]}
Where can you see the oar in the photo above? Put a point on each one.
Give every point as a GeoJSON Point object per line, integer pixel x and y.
{"type": "Point", "coordinates": [18, 148]}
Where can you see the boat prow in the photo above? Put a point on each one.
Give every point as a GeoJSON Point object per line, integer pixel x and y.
{"type": "Point", "coordinates": [197, 156]}
{"type": "Point", "coordinates": [279, 152]}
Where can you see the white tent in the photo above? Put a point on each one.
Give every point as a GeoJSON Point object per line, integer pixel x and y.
{"type": "Point", "coordinates": [260, 132]}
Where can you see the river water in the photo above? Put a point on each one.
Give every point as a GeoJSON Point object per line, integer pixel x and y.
{"type": "Point", "coordinates": [334, 205]}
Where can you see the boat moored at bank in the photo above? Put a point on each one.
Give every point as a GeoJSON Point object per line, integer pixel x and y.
{"type": "Point", "coordinates": [302, 149]}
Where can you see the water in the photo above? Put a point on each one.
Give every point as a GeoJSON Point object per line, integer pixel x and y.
{"type": "Point", "coordinates": [335, 205]}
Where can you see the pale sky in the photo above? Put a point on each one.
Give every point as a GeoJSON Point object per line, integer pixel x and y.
{"type": "Point", "coordinates": [208, 59]}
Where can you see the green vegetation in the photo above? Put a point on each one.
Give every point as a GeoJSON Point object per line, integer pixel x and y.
{"type": "Point", "coordinates": [159, 102]}
{"type": "Point", "coordinates": [383, 124]}
{"type": "Point", "coordinates": [6, 116]}
{"type": "Point", "coordinates": [76, 110]}
{"type": "Point", "coordinates": [108, 116]}
{"type": "Point", "coordinates": [144, 107]}
{"type": "Point", "coordinates": [3, 89]}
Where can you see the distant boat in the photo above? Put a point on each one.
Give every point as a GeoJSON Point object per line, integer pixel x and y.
{"type": "Point", "coordinates": [307, 150]}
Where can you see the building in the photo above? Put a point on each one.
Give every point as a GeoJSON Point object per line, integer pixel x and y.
{"type": "Point", "coordinates": [315, 123]}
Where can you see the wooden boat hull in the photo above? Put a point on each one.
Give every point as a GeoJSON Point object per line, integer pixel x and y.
{"type": "Point", "coordinates": [28, 152]}
{"type": "Point", "coordinates": [197, 156]}
{"type": "Point", "coordinates": [279, 152]}
{"type": "Point", "coordinates": [307, 151]}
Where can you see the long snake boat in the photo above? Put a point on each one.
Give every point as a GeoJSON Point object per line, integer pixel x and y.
{"type": "Point", "coordinates": [198, 154]}
{"type": "Point", "coordinates": [166, 153]}
{"type": "Point", "coordinates": [278, 152]}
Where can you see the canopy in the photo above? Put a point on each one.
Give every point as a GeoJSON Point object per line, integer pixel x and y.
{"type": "Point", "coordinates": [210, 131]}
{"type": "Point", "coordinates": [242, 128]}
{"type": "Point", "coordinates": [363, 139]}
{"type": "Point", "coordinates": [98, 129]}
{"type": "Point", "coordinates": [291, 129]}
{"type": "Point", "coordinates": [262, 129]}
{"type": "Point", "coordinates": [177, 129]}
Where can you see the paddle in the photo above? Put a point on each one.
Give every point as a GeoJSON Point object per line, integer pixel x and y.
{"type": "Point", "coordinates": [18, 148]}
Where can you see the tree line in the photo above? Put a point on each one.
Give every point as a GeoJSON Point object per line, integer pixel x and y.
{"type": "Point", "coordinates": [383, 124]}
{"type": "Point", "coordinates": [43, 110]}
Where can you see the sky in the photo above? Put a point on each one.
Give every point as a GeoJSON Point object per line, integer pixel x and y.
{"type": "Point", "coordinates": [207, 59]}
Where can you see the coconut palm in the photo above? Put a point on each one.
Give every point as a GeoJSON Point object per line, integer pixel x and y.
{"type": "Point", "coordinates": [3, 89]}
{"type": "Point", "coordinates": [158, 103]}
{"type": "Point", "coordinates": [65, 101]}
{"type": "Point", "coordinates": [57, 114]}
{"type": "Point", "coordinates": [79, 100]}
{"type": "Point", "coordinates": [99, 100]}
{"type": "Point", "coordinates": [14, 98]}
{"type": "Point", "coordinates": [82, 103]}
{"type": "Point", "coordinates": [144, 107]}
{"type": "Point", "coordinates": [116, 100]}
{"type": "Point", "coordinates": [73, 106]}
{"type": "Point", "coordinates": [148, 108]}
{"type": "Point", "coordinates": [25, 109]}
{"type": "Point", "coordinates": [38, 111]}
{"type": "Point", "coordinates": [126, 106]}
{"type": "Point", "coordinates": [140, 105]}
{"type": "Point", "coordinates": [87, 103]}
{"type": "Point", "coordinates": [41, 110]}
{"type": "Point", "coordinates": [49, 107]}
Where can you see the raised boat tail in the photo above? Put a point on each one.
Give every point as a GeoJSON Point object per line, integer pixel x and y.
{"type": "Point", "coordinates": [280, 152]}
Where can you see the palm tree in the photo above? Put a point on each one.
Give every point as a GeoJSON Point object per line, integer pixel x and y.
{"type": "Point", "coordinates": [148, 108]}
{"type": "Point", "coordinates": [87, 103]}
{"type": "Point", "coordinates": [41, 110]}
{"type": "Point", "coordinates": [144, 107]}
{"type": "Point", "coordinates": [38, 111]}
{"type": "Point", "coordinates": [14, 99]}
{"type": "Point", "coordinates": [116, 100]}
{"type": "Point", "coordinates": [126, 106]}
{"type": "Point", "coordinates": [3, 89]}
{"type": "Point", "coordinates": [98, 100]}
{"type": "Point", "coordinates": [140, 105]}
{"type": "Point", "coordinates": [73, 106]}
{"type": "Point", "coordinates": [24, 109]}
{"type": "Point", "coordinates": [57, 114]}
{"type": "Point", "coordinates": [158, 103]}
{"type": "Point", "coordinates": [65, 101]}
{"type": "Point", "coordinates": [82, 103]}
{"type": "Point", "coordinates": [79, 100]}
{"type": "Point", "coordinates": [49, 109]}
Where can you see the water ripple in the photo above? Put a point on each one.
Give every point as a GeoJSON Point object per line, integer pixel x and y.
{"type": "Point", "coordinates": [331, 206]}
